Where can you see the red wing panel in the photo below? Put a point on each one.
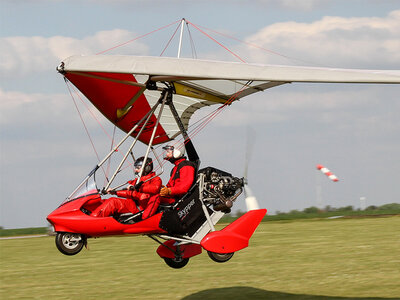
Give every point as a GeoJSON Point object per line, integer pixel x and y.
{"type": "Point", "coordinates": [108, 93]}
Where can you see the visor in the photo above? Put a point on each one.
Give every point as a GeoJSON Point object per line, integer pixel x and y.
{"type": "Point", "coordinates": [168, 148]}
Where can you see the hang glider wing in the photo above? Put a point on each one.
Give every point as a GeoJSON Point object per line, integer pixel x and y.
{"type": "Point", "coordinates": [116, 85]}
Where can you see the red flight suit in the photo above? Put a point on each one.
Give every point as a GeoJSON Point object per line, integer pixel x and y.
{"type": "Point", "coordinates": [182, 177]}
{"type": "Point", "coordinates": [146, 198]}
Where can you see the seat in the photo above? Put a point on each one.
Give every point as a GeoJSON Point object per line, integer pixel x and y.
{"type": "Point", "coordinates": [186, 215]}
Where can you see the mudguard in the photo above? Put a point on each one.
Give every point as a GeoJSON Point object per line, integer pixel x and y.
{"type": "Point", "coordinates": [188, 250]}
{"type": "Point", "coordinates": [235, 236]}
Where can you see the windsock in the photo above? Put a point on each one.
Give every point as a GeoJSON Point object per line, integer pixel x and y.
{"type": "Point", "coordinates": [327, 173]}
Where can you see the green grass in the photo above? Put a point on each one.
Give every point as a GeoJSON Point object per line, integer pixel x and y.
{"type": "Point", "coordinates": [23, 231]}
{"type": "Point", "coordinates": [304, 259]}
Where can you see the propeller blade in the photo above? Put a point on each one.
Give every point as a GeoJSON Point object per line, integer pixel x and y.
{"type": "Point", "coordinates": [251, 201]}
{"type": "Point", "coordinates": [250, 140]}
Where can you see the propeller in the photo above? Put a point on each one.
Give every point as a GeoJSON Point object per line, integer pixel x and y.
{"type": "Point", "coordinates": [251, 201]}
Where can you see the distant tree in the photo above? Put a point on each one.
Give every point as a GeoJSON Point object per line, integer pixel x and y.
{"type": "Point", "coordinates": [372, 207]}
{"type": "Point", "coordinates": [240, 213]}
{"type": "Point", "coordinates": [295, 212]}
{"type": "Point", "coordinates": [1, 227]}
{"type": "Point", "coordinates": [347, 208]}
{"type": "Point", "coordinates": [390, 206]}
{"type": "Point", "coordinates": [330, 208]}
{"type": "Point", "coordinates": [311, 210]}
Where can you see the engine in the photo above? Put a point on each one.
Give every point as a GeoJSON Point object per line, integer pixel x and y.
{"type": "Point", "coordinates": [220, 189]}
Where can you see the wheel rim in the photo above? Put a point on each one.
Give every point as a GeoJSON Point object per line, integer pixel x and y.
{"type": "Point", "coordinates": [71, 240]}
{"type": "Point", "coordinates": [220, 257]}
{"type": "Point", "coordinates": [176, 264]}
{"type": "Point", "coordinates": [177, 259]}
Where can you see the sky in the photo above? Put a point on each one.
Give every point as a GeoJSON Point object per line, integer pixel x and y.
{"type": "Point", "coordinates": [353, 129]}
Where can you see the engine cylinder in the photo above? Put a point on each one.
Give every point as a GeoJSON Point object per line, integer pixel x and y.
{"type": "Point", "coordinates": [223, 206]}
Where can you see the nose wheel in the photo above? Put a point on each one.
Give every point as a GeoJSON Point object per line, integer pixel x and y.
{"type": "Point", "coordinates": [220, 257]}
{"type": "Point", "coordinates": [70, 243]}
{"type": "Point", "coordinates": [176, 263]}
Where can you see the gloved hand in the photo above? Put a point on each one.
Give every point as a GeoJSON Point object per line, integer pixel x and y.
{"type": "Point", "coordinates": [111, 192]}
{"type": "Point", "coordinates": [137, 186]}
{"type": "Point", "coordinates": [164, 192]}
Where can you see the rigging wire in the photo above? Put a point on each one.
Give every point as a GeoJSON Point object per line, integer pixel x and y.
{"type": "Point", "coordinates": [258, 47]}
{"type": "Point", "coordinates": [139, 37]}
{"type": "Point", "coordinates": [112, 138]}
{"type": "Point", "coordinates": [192, 46]}
{"type": "Point", "coordinates": [209, 36]}
{"type": "Point", "coordinates": [203, 122]}
{"type": "Point", "coordinates": [109, 161]}
{"type": "Point", "coordinates": [194, 131]}
{"type": "Point", "coordinates": [199, 125]}
{"type": "Point", "coordinates": [91, 113]}
{"type": "Point", "coordinates": [84, 124]}
{"type": "Point", "coordinates": [173, 35]}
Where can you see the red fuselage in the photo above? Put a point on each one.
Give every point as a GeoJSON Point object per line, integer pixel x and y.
{"type": "Point", "coordinates": [69, 217]}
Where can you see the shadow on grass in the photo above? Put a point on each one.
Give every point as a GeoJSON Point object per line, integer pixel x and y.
{"type": "Point", "coordinates": [239, 293]}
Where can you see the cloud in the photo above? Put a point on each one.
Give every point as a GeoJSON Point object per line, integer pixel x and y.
{"type": "Point", "coordinates": [37, 121]}
{"type": "Point", "coordinates": [367, 42]}
{"type": "Point", "coordinates": [304, 5]}
{"type": "Point", "coordinates": [335, 41]}
{"type": "Point", "coordinates": [345, 108]}
{"type": "Point", "coordinates": [15, 104]}
{"type": "Point", "coordinates": [22, 56]}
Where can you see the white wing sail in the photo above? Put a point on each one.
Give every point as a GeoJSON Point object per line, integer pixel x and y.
{"type": "Point", "coordinates": [118, 85]}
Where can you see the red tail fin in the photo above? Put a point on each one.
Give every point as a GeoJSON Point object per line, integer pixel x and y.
{"type": "Point", "coordinates": [235, 236]}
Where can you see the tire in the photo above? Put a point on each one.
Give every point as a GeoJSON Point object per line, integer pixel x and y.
{"type": "Point", "coordinates": [220, 257]}
{"type": "Point", "coordinates": [69, 243]}
{"type": "Point", "coordinates": [175, 263]}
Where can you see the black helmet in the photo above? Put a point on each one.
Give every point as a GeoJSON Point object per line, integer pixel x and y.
{"type": "Point", "coordinates": [148, 166]}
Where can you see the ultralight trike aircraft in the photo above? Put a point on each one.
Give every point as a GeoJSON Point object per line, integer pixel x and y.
{"type": "Point", "coordinates": [152, 99]}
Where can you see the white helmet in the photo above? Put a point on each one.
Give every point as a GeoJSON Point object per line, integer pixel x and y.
{"type": "Point", "coordinates": [176, 152]}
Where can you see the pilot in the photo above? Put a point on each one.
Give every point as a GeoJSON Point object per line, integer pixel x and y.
{"type": "Point", "coordinates": [182, 175]}
{"type": "Point", "coordinates": [139, 196]}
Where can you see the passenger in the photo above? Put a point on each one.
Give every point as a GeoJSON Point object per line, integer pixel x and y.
{"type": "Point", "coordinates": [182, 175]}
{"type": "Point", "coordinates": [139, 196]}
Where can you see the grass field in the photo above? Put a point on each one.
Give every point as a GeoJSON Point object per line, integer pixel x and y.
{"type": "Point", "coordinates": [304, 259]}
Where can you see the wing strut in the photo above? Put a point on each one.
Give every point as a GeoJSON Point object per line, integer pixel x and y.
{"type": "Point", "coordinates": [144, 119]}
{"type": "Point", "coordinates": [162, 101]}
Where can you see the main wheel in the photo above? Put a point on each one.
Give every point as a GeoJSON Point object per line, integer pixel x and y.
{"type": "Point", "coordinates": [220, 257]}
{"type": "Point", "coordinates": [176, 263]}
{"type": "Point", "coordinates": [69, 243]}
